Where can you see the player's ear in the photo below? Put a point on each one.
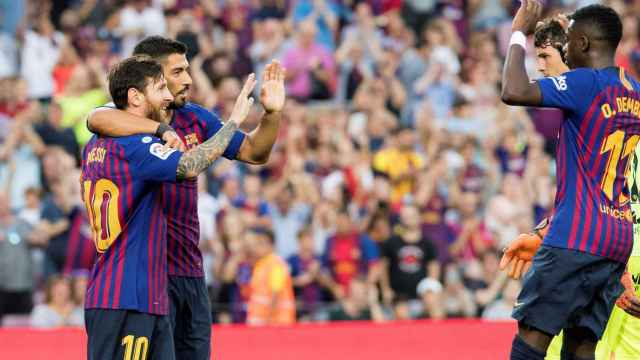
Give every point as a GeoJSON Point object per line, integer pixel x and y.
{"type": "Point", "coordinates": [583, 43]}
{"type": "Point", "coordinates": [134, 96]}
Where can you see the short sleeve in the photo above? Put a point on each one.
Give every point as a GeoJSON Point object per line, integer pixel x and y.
{"type": "Point", "coordinates": [568, 91]}
{"type": "Point", "coordinates": [369, 249]}
{"type": "Point", "coordinates": [150, 161]}
{"type": "Point", "coordinates": [213, 124]}
{"type": "Point", "coordinates": [109, 105]}
{"type": "Point", "coordinates": [294, 265]}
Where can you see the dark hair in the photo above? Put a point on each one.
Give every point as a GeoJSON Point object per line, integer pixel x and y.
{"type": "Point", "coordinates": [134, 72]}
{"type": "Point", "coordinates": [158, 47]}
{"type": "Point", "coordinates": [550, 33]}
{"type": "Point", "coordinates": [261, 230]}
{"type": "Point", "coordinates": [602, 19]}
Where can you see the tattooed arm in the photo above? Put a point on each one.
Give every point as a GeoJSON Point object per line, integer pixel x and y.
{"type": "Point", "coordinates": [195, 161]}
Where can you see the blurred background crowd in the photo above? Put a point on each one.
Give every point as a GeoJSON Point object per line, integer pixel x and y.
{"type": "Point", "coordinates": [397, 177]}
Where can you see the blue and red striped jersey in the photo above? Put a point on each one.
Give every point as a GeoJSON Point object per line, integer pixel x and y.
{"type": "Point", "coordinates": [194, 124]}
{"type": "Point", "coordinates": [121, 179]}
{"type": "Point", "coordinates": [601, 129]}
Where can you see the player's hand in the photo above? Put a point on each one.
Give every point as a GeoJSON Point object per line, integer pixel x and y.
{"type": "Point", "coordinates": [518, 255]}
{"type": "Point", "coordinates": [244, 101]}
{"type": "Point", "coordinates": [628, 301]}
{"type": "Point", "coordinates": [527, 16]}
{"type": "Point", "coordinates": [172, 141]}
{"type": "Point", "coordinates": [272, 92]}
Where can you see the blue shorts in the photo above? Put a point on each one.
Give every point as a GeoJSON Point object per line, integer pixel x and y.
{"type": "Point", "coordinates": [190, 314]}
{"type": "Point", "coordinates": [568, 289]}
{"type": "Point", "coordinates": [112, 334]}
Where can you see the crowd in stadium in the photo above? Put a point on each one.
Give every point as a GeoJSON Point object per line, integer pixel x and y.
{"type": "Point", "coordinates": [397, 178]}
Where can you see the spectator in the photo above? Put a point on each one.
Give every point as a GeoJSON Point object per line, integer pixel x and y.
{"type": "Point", "coordinates": [310, 66]}
{"type": "Point", "coordinates": [40, 54]}
{"type": "Point", "coordinates": [408, 257]}
{"type": "Point", "coordinates": [271, 300]}
{"type": "Point", "coordinates": [236, 272]}
{"type": "Point", "coordinates": [19, 161]}
{"type": "Point", "coordinates": [305, 271]}
{"type": "Point", "coordinates": [84, 91]}
{"type": "Point", "coordinates": [457, 300]}
{"type": "Point", "coordinates": [323, 14]}
{"type": "Point", "coordinates": [57, 217]}
{"type": "Point", "coordinates": [137, 20]}
{"type": "Point", "coordinates": [269, 43]}
{"type": "Point", "coordinates": [59, 309]}
{"type": "Point", "coordinates": [253, 206]}
{"type": "Point", "coordinates": [348, 254]}
{"type": "Point", "coordinates": [16, 268]}
{"type": "Point", "coordinates": [400, 163]}
{"type": "Point", "coordinates": [288, 215]}
{"type": "Point", "coordinates": [52, 133]}
{"type": "Point", "coordinates": [32, 209]}
{"type": "Point", "coordinates": [501, 309]}
{"type": "Point", "coordinates": [360, 303]}
{"type": "Point", "coordinates": [473, 237]}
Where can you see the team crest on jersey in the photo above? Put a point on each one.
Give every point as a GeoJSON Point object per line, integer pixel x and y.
{"type": "Point", "coordinates": [157, 150]}
{"type": "Point", "coordinates": [191, 140]}
{"type": "Point", "coordinates": [146, 139]}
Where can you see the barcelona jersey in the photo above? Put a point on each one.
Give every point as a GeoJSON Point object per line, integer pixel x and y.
{"type": "Point", "coordinates": [121, 187]}
{"type": "Point", "coordinates": [194, 124]}
{"type": "Point", "coordinates": [600, 131]}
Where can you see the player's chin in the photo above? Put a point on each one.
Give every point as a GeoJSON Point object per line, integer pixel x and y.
{"type": "Point", "coordinates": [179, 101]}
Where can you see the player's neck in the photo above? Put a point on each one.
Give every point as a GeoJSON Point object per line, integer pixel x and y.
{"type": "Point", "coordinates": [601, 61]}
{"type": "Point", "coordinates": [137, 111]}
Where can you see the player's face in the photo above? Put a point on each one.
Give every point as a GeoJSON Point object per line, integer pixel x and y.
{"type": "Point", "coordinates": [572, 48]}
{"type": "Point", "coordinates": [549, 61]}
{"type": "Point", "coordinates": [158, 98]}
{"type": "Point", "coordinates": [176, 72]}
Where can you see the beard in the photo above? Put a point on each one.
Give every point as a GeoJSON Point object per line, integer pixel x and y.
{"type": "Point", "coordinates": [179, 99]}
{"type": "Point", "coordinates": [158, 114]}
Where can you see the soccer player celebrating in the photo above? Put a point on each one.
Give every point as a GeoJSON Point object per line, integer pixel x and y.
{"type": "Point", "coordinates": [549, 40]}
{"type": "Point", "coordinates": [127, 302]}
{"type": "Point", "coordinates": [190, 307]}
{"type": "Point", "coordinates": [590, 237]}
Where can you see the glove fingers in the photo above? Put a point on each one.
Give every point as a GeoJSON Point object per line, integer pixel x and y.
{"type": "Point", "coordinates": [519, 267]}
{"type": "Point", "coordinates": [505, 260]}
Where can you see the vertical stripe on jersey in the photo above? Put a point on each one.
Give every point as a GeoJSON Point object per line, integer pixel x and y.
{"type": "Point", "coordinates": [125, 186]}
{"type": "Point", "coordinates": [110, 284]}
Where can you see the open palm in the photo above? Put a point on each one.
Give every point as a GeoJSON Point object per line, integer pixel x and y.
{"type": "Point", "coordinates": [272, 92]}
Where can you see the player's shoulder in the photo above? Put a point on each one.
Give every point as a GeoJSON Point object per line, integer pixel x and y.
{"type": "Point", "coordinates": [200, 112]}
{"type": "Point", "coordinates": [133, 142]}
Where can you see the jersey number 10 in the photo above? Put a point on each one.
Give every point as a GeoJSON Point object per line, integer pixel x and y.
{"type": "Point", "coordinates": [102, 207]}
{"type": "Point", "coordinates": [619, 149]}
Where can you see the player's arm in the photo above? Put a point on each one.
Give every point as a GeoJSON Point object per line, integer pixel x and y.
{"type": "Point", "coordinates": [109, 121]}
{"type": "Point", "coordinates": [517, 89]}
{"type": "Point", "coordinates": [195, 161]}
{"type": "Point", "coordinates": [257, 145]}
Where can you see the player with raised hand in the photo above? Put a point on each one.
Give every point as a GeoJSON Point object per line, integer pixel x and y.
{"type": "Point", "coordinates": [619, 337]}
{"type": "Point", "coordinates": [127, 302]}
{"type": "Point", "coordinates": [589, 238]}
{"type": "Point", "coordinates": [190, 308]}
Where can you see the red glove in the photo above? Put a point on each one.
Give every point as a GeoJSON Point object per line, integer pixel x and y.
{"type": "Point", "coordinates": [628, 301]}
{"type": "Point", "coordinates": [518, 255]}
